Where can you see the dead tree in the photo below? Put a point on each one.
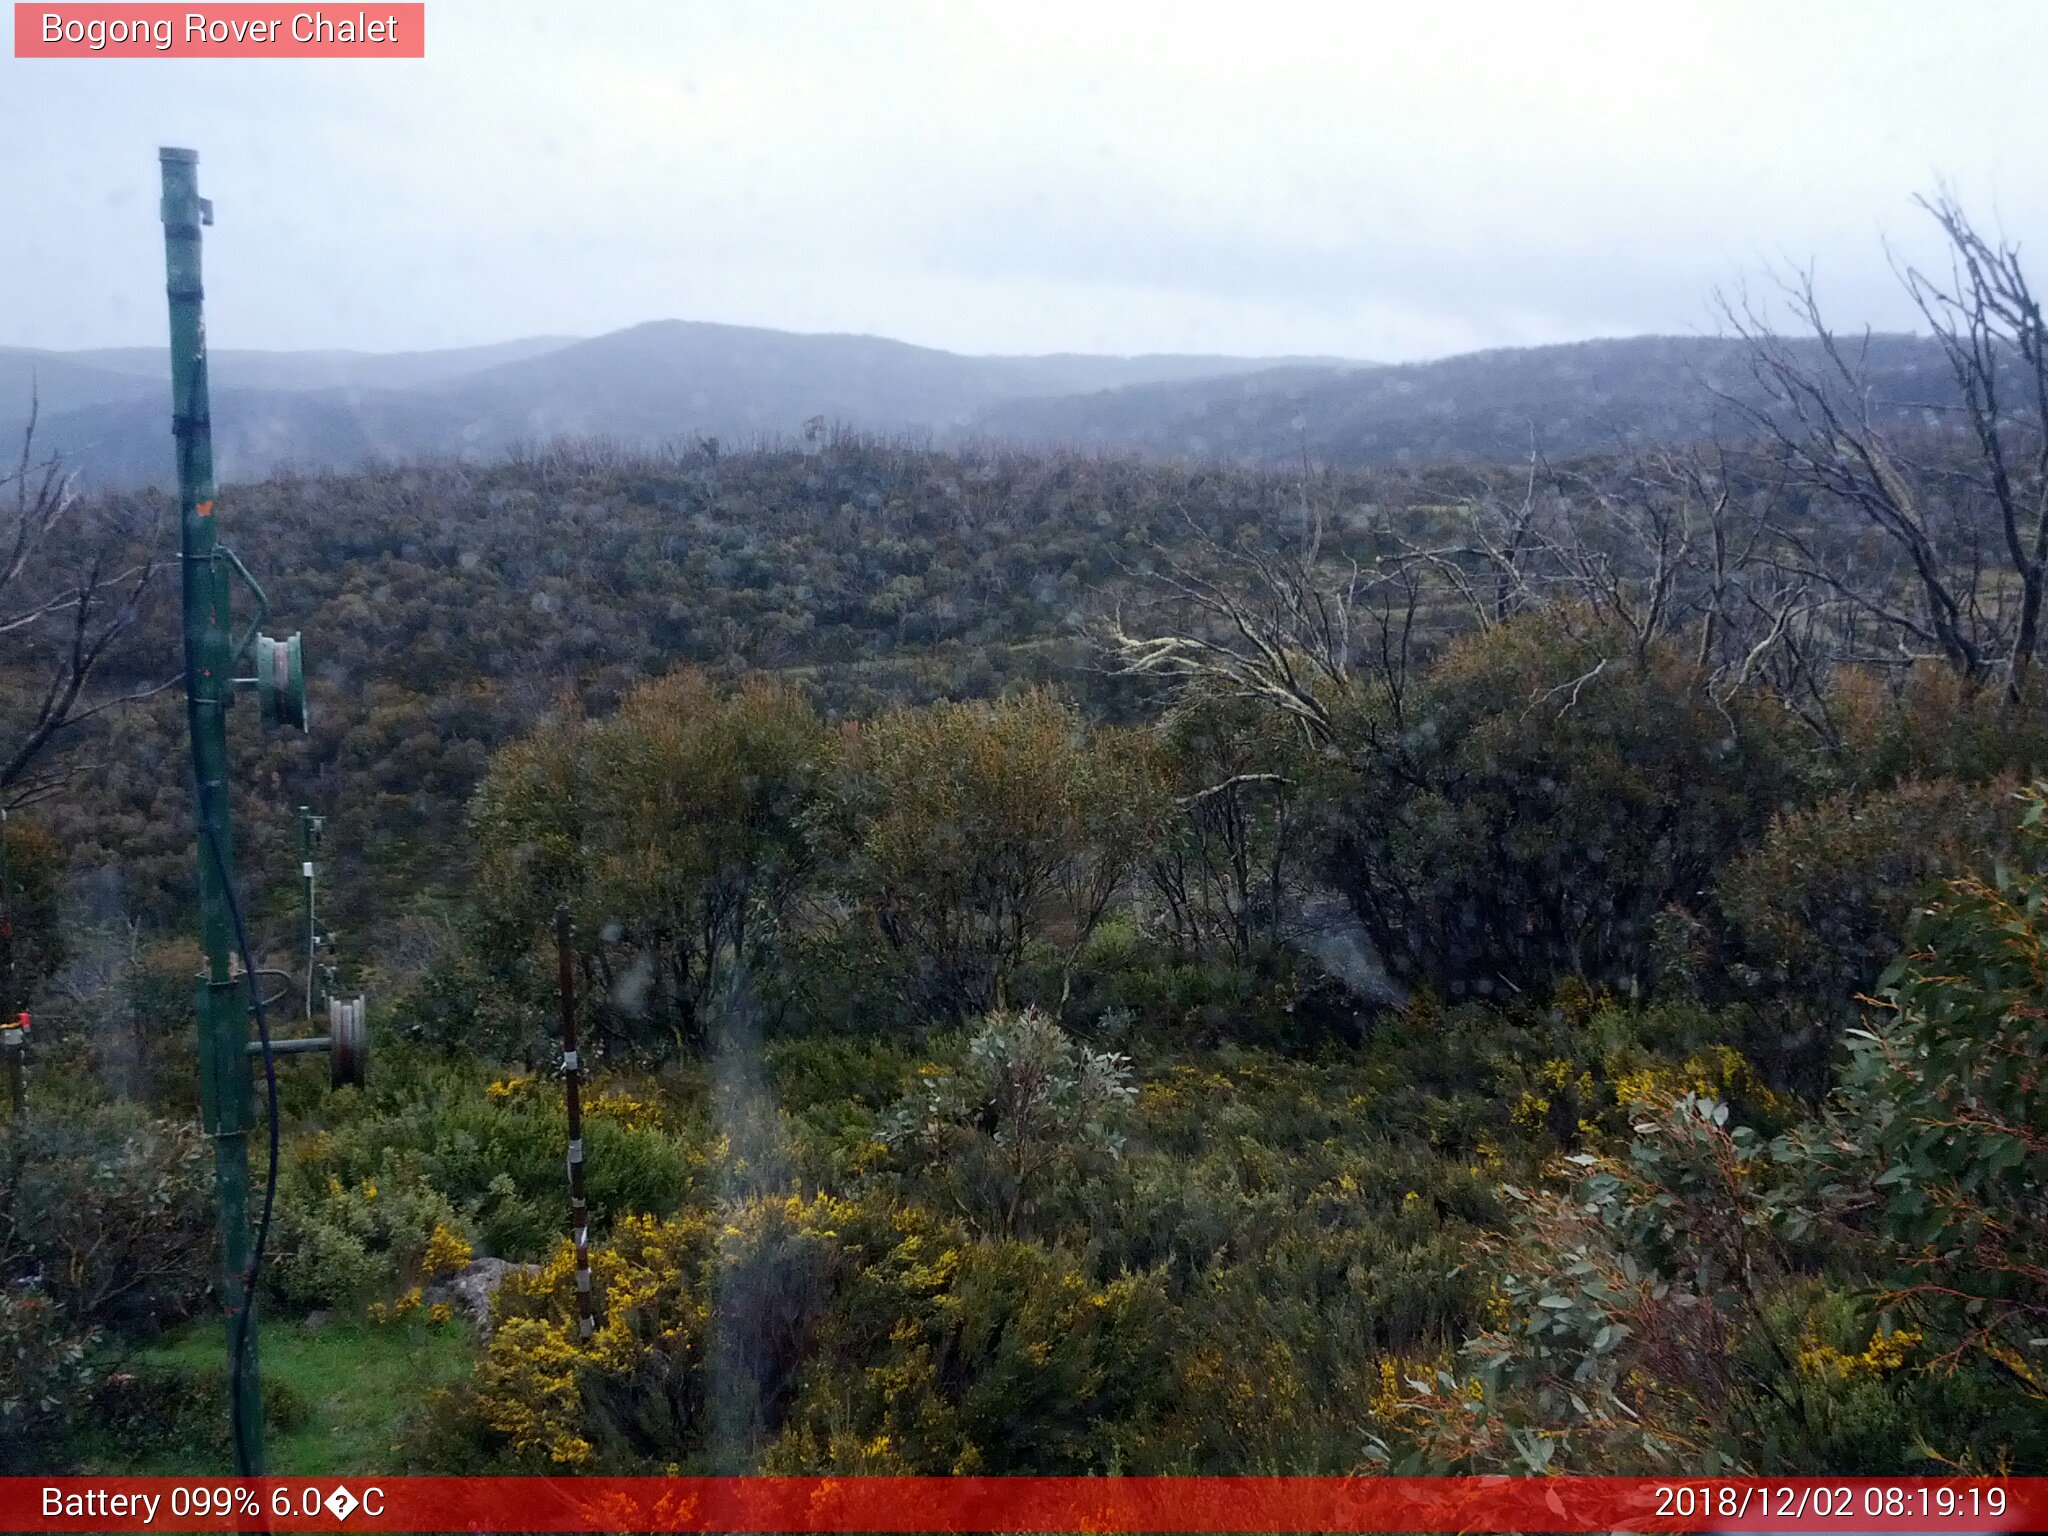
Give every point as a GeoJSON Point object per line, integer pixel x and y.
{"type": "Point", "coordinates": [68, 592]}
{"type": "Point", "coordinates": [1961, 519]}
{"type": "Point", "coordinates": [1277, 626]}
{"type": "Point", "coordinates": [1990, 328]}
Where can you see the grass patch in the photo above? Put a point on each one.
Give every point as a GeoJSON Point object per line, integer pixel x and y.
{"type": "Point", "coordinates": [337, 1398]}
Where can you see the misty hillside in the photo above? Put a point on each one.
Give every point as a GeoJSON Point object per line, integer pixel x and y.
{"type": "Point", "coordinates": [107, 411]}
{"type": "Point", "coordinates": [660, 380]}
{"type": "Point", "coordinates": [670, 381]}
{"type": "Point", "coordinates": [237, 368]}
{"type": "Point", "coordinates": [1479, 407]}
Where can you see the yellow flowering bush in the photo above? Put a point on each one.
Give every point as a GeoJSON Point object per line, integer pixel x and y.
{"type": "Point", "coordinates": [640, 1382]}
{"type": "Point", "coordinates": [1886, 1352]}
{"type": "Point", "coordinates": [447, 1251]}
{"type": "Point", "coordinates": [526, 1391]}
{"type": "Point", "coordinates": [616, 1104]}
{"type": "Point", "coordinates": [336, 1240]}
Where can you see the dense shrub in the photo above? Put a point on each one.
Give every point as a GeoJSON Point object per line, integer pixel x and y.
{"type": "Point", "coordinates": [1927, 722]}
{"type": "Point", "coordinates": [1935, 1143]}
{"type": "Point", "coordinates": [1822, 905]}
{"type": "Point", "coordinates": [46, 1381]}
{"type": "Point", "coordinates": [110, 1212]}
{"type": "Point", "coordinates": [706, 1322]}
{"type": "Point", "coordinates": [1527, 810]}
{"type": "Point", "coordinates": [1861, 1292]}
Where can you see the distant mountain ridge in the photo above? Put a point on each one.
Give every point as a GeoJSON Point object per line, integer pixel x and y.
{"type": "Point", "coordinates": [107, 411]}
{"type": "Point", "coordinates": [1490, 407]}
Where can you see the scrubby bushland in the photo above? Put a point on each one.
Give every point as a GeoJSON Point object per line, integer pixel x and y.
{"type": "Point", "coordinates": [1849, 1293]}
{"type": "Point", "coordinates": [973, 1085]}
{"type": "Point", "coordinates": [722, 850]}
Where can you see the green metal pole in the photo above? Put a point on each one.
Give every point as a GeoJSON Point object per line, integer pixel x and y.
{"type": "Point", "coordinates": [226, 1099]}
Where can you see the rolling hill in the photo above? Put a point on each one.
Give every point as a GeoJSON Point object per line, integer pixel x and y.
{"type": "Point", "coordinates": [107, 413]}
{"type": "Point", "coordinates": [670, 381]}
{"type": "Point", "coordinates": [1481, 407]}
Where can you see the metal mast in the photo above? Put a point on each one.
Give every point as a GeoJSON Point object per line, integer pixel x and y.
{"type": "Point", "coordinates": [212, 651]}
{"type": "Point", "coordinates": [224, 1087]}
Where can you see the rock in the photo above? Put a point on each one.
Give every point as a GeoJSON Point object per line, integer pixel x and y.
{"type": "Point", "coordinates": [470, 1289]}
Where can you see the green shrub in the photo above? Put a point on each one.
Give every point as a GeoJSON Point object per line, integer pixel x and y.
{"type": "Point", "coordinates": [495, 1152]}
{"type": "Point", "coordinates": [111, 1212]}
{"type": "Point", "coordinates": [1822, 905]}
{"type": "Point", "coordinates": [46, 1381]}
{"type": "Point", "coordinates": [1026, 1102]}
{"type": "Point", "coordinates": [335, 1243]}
{"type": "Point", "coordinates": [1529, 809]}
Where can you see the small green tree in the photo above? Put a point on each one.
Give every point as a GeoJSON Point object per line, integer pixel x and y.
{"type": "Point", "coordinates": [1027, 1099]}
{"type": "Point", "coordinates": [109, 1212]}
{"type": "Point", "coordinates": [675, 830]}
{"type": "Point", "coordinates": [975, 831]}
{"type": "Point", "coordinates": [46, 1381]}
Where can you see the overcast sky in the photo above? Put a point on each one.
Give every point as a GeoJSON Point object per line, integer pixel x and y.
{"type": "Point", "coordinates": [1373, 180]}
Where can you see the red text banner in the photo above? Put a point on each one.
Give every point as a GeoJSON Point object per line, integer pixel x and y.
{"type": "Point", "coordinates": [1023, 1504]}
{"type": "Point", "coordinates": [239, 31]}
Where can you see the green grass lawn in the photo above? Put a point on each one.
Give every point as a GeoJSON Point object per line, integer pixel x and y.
{"type": "Point", "coordinates": [338, 1397]}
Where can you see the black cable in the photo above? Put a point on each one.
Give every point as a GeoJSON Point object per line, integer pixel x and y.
{"type": "Point", "coordinates": [243, 1460]}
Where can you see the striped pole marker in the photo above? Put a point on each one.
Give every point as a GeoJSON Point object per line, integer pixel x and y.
{"type": "Point", "coordinates": [572, 1089]}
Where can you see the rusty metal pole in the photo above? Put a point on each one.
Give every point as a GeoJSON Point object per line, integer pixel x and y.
{"type": "Point", "coordinates": [12, 1039]}
{"type": "Point", "coordinates": [13, 1019]}
{"type": "Point", "coordinates": [572, 1090]}
{"type": "Point", "coordinates": [8, 1002]}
